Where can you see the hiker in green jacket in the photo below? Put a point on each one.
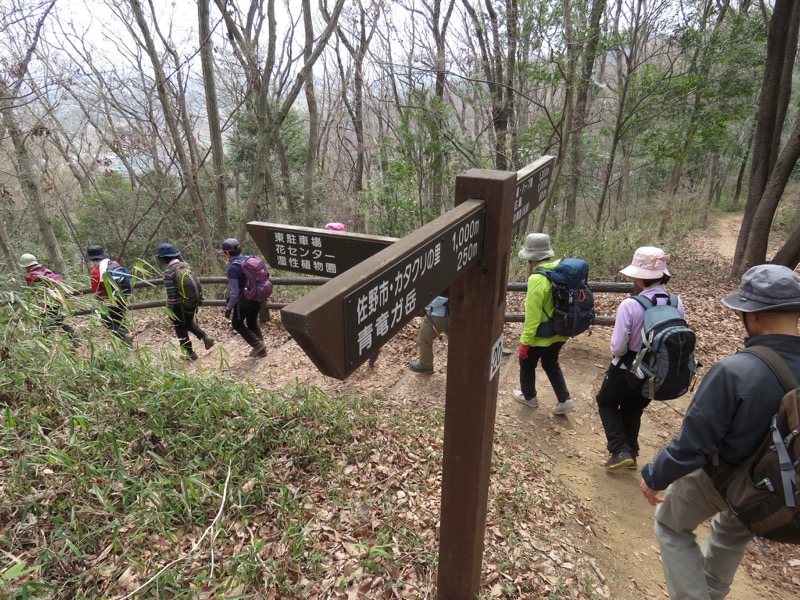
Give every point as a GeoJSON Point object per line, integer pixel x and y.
{"type": "Point", "coordinates": [539, 304]}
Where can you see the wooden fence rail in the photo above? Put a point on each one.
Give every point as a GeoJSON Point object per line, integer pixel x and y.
{"type": "Point", "coordinates": [610, 287]}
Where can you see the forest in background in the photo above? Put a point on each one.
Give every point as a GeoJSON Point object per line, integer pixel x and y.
{"type": "Point", "coordinates": [128, 123]}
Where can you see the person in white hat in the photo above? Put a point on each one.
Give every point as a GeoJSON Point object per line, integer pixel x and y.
{"type": "Point", "coordinates": [532, 349]}
{"type": "Point", "coordinates": [37, 275]}
{"type": "Point", "coordinates": [619, 406]}
{"type": "Point", "coordinates": [729, 417]}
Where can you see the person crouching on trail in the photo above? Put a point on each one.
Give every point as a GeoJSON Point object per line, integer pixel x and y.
{"type": "Point", "coordinates": [37, 275]}
{"type": "Point", "coordinates": [242, 312]}
{"type": "Point", "coordinates": [182, 308]}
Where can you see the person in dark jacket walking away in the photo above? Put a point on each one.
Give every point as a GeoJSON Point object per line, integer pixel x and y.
{"type": "Point", "coordinates": [180, 313]}
{"type": "Point", "coordinates": [39, 276]}
{"type": "Point", "coordinates": [113, 305]}
{"type": "Point", "coordinates": [726, 422]}
{"type": "Point", "coordinates": [242, 312]}
{"type": "Point", "coordinates": [621, 407]}
{"type": "Point", "coordinates": [532, 349]}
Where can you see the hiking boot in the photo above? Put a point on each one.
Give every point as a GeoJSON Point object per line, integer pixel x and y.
{"type": "Point", "coordinates": [128, 339]}
{"type": "Point", "coordinates": [415, 366]}
{"type": "Point", "coordinates": [520, 397]}
{"type": "Point", "coordinates": [190, 355]}
{"type": "Point", "coordinates": [633, 466]}
{"type": "Point", "coordinates": [259, 349]}
{"type": "Point", "coordinates": [208, 342]}
{"type": "Point", "coordinates": [565, 407]}
{"type": "Point", "coordinates": [619, 460]}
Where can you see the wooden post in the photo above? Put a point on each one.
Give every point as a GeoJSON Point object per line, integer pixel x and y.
{"type": "Point", "coordinates": [477, 305]}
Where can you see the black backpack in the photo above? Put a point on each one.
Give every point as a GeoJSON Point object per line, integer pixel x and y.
{"type": "Point", "coordinates": [664, 367]}
{"type": "Point", "coordinates": [573, 302]}
{"type": "Point", "coordinates": [188, 285]}
{"type": "Point", "coordinates": [763, 491]}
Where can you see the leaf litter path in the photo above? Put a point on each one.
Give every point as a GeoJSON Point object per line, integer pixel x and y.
{"type": "Point", "coordinates": [620, 542]}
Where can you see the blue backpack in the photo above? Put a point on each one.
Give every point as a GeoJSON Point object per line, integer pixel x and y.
{"type": "Point", "coordinates": [664, 367]}
{"type": "Point", "coordinates": [121, 278]}
{"type": "Point", "coordinates": [573, 302]}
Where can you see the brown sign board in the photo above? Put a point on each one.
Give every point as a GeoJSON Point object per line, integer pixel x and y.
{"type": "Point", "coordinates": [533, 182]}
{"type": "Point", "coordinates": [314, 251]}
{"type": "Point", "coordinates": [340, 324]}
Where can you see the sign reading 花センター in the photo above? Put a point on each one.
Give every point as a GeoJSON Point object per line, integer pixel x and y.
{"type": "Point", "coordinates": [377, 309]}
{"type": "Point", "coordinates": [314, 251]}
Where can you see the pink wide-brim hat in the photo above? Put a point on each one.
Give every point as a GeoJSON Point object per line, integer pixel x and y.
{"type": "Point", "coordinates": [648, 262]}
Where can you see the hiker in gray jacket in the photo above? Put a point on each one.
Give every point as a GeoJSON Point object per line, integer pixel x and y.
{"type": "Point", "coordinates": [728, 418]}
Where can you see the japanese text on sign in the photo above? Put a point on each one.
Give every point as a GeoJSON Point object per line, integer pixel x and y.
{"type": "Point", "coordinates": [377, 310]}
{"type": "Point", "coordinates": [532, 187]}
{"type": "Point", "coordinates": [303, 252]}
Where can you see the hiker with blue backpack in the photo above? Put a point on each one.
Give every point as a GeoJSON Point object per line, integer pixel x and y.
{"type": "Point", "coordinates": [184, 297]}
{"type": "Point", "coordinates": [248, 287]}
{"type": "Point", "coordinates": [624, 395]}
{"type": "Point", "coordinates": [744, 416]}
{"type": "Point", "coordinates": [112, 284]}
{"type": "Point", "coordinates": [536, 345]}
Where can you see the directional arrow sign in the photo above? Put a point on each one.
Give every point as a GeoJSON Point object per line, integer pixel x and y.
{"type": "Point", "coordinates": [533, 182]}
{"type": "Point", "coordinates": [340, 324]}
{"type": "Point", "coordinates": [314, 251]}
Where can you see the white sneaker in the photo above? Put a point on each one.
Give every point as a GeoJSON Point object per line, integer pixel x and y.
{"type": "Point", "coordinates": [520, 397]}
{"type": "Point", "coordinates": [565, 407]}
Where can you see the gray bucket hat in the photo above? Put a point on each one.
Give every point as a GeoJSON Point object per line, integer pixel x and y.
{"type": "Point", "coordinates": [766, 288]}
{"type": "Point", "coordinates": [537, 247]}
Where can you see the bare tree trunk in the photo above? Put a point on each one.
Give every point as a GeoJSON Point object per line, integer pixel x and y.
{"type": "Point", "coordinates": [286, 179]}
{"type": "Point", "coordinates": [171, 121]}
{"type": "Point", "coordinates": [758, 238]}
{"type": "Point", "coordinates": [313, 121]}
{"type": "Point", "coordinates": [30, 186]}
{"type": "Point", "coordinates": [212, 111]}
{"type": "Point", "coordinates": [582, 110]}
{"type": "Point", "coordinates": [566, 120]}
{"type": "Point", "coordinates": [781, 47]}
{"type": "Point", "coordinates": [711, 186]}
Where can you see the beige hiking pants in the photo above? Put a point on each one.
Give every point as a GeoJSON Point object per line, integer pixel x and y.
{"type": "Point", "coordinates": [692, 572]}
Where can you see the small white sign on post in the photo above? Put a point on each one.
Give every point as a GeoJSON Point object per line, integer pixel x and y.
{"type": "Point", "coordinates": [497, 357]}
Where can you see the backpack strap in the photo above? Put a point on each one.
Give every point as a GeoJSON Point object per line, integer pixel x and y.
{"type": "Point", "coordinates": [776, 364]}
{"type": "Point", "coordinates": [789, 382]}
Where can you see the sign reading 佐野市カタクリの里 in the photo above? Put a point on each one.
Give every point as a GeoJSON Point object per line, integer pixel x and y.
{"type": "Point", "coordinates": [377, 309]}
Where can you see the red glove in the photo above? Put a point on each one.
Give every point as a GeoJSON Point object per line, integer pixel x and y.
{"type": "Point", "coordinates": [523, 351]}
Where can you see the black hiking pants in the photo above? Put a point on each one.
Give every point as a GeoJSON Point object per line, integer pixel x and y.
{"type": "Point", "coordinates": [244, 321]}
{"type": "Point", "coordinates": [183, 320]}
{"type": "Point", "coordinates": [620, 411]}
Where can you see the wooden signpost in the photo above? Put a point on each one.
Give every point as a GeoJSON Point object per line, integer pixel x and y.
{"type": "Point", "coordinates": [340, 324]}
{"type": "Point", "coordinates": [314, 251]}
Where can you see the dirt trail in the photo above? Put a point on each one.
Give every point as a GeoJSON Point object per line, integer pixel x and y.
{"type": "Point", "coordinates": [624, 546]}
